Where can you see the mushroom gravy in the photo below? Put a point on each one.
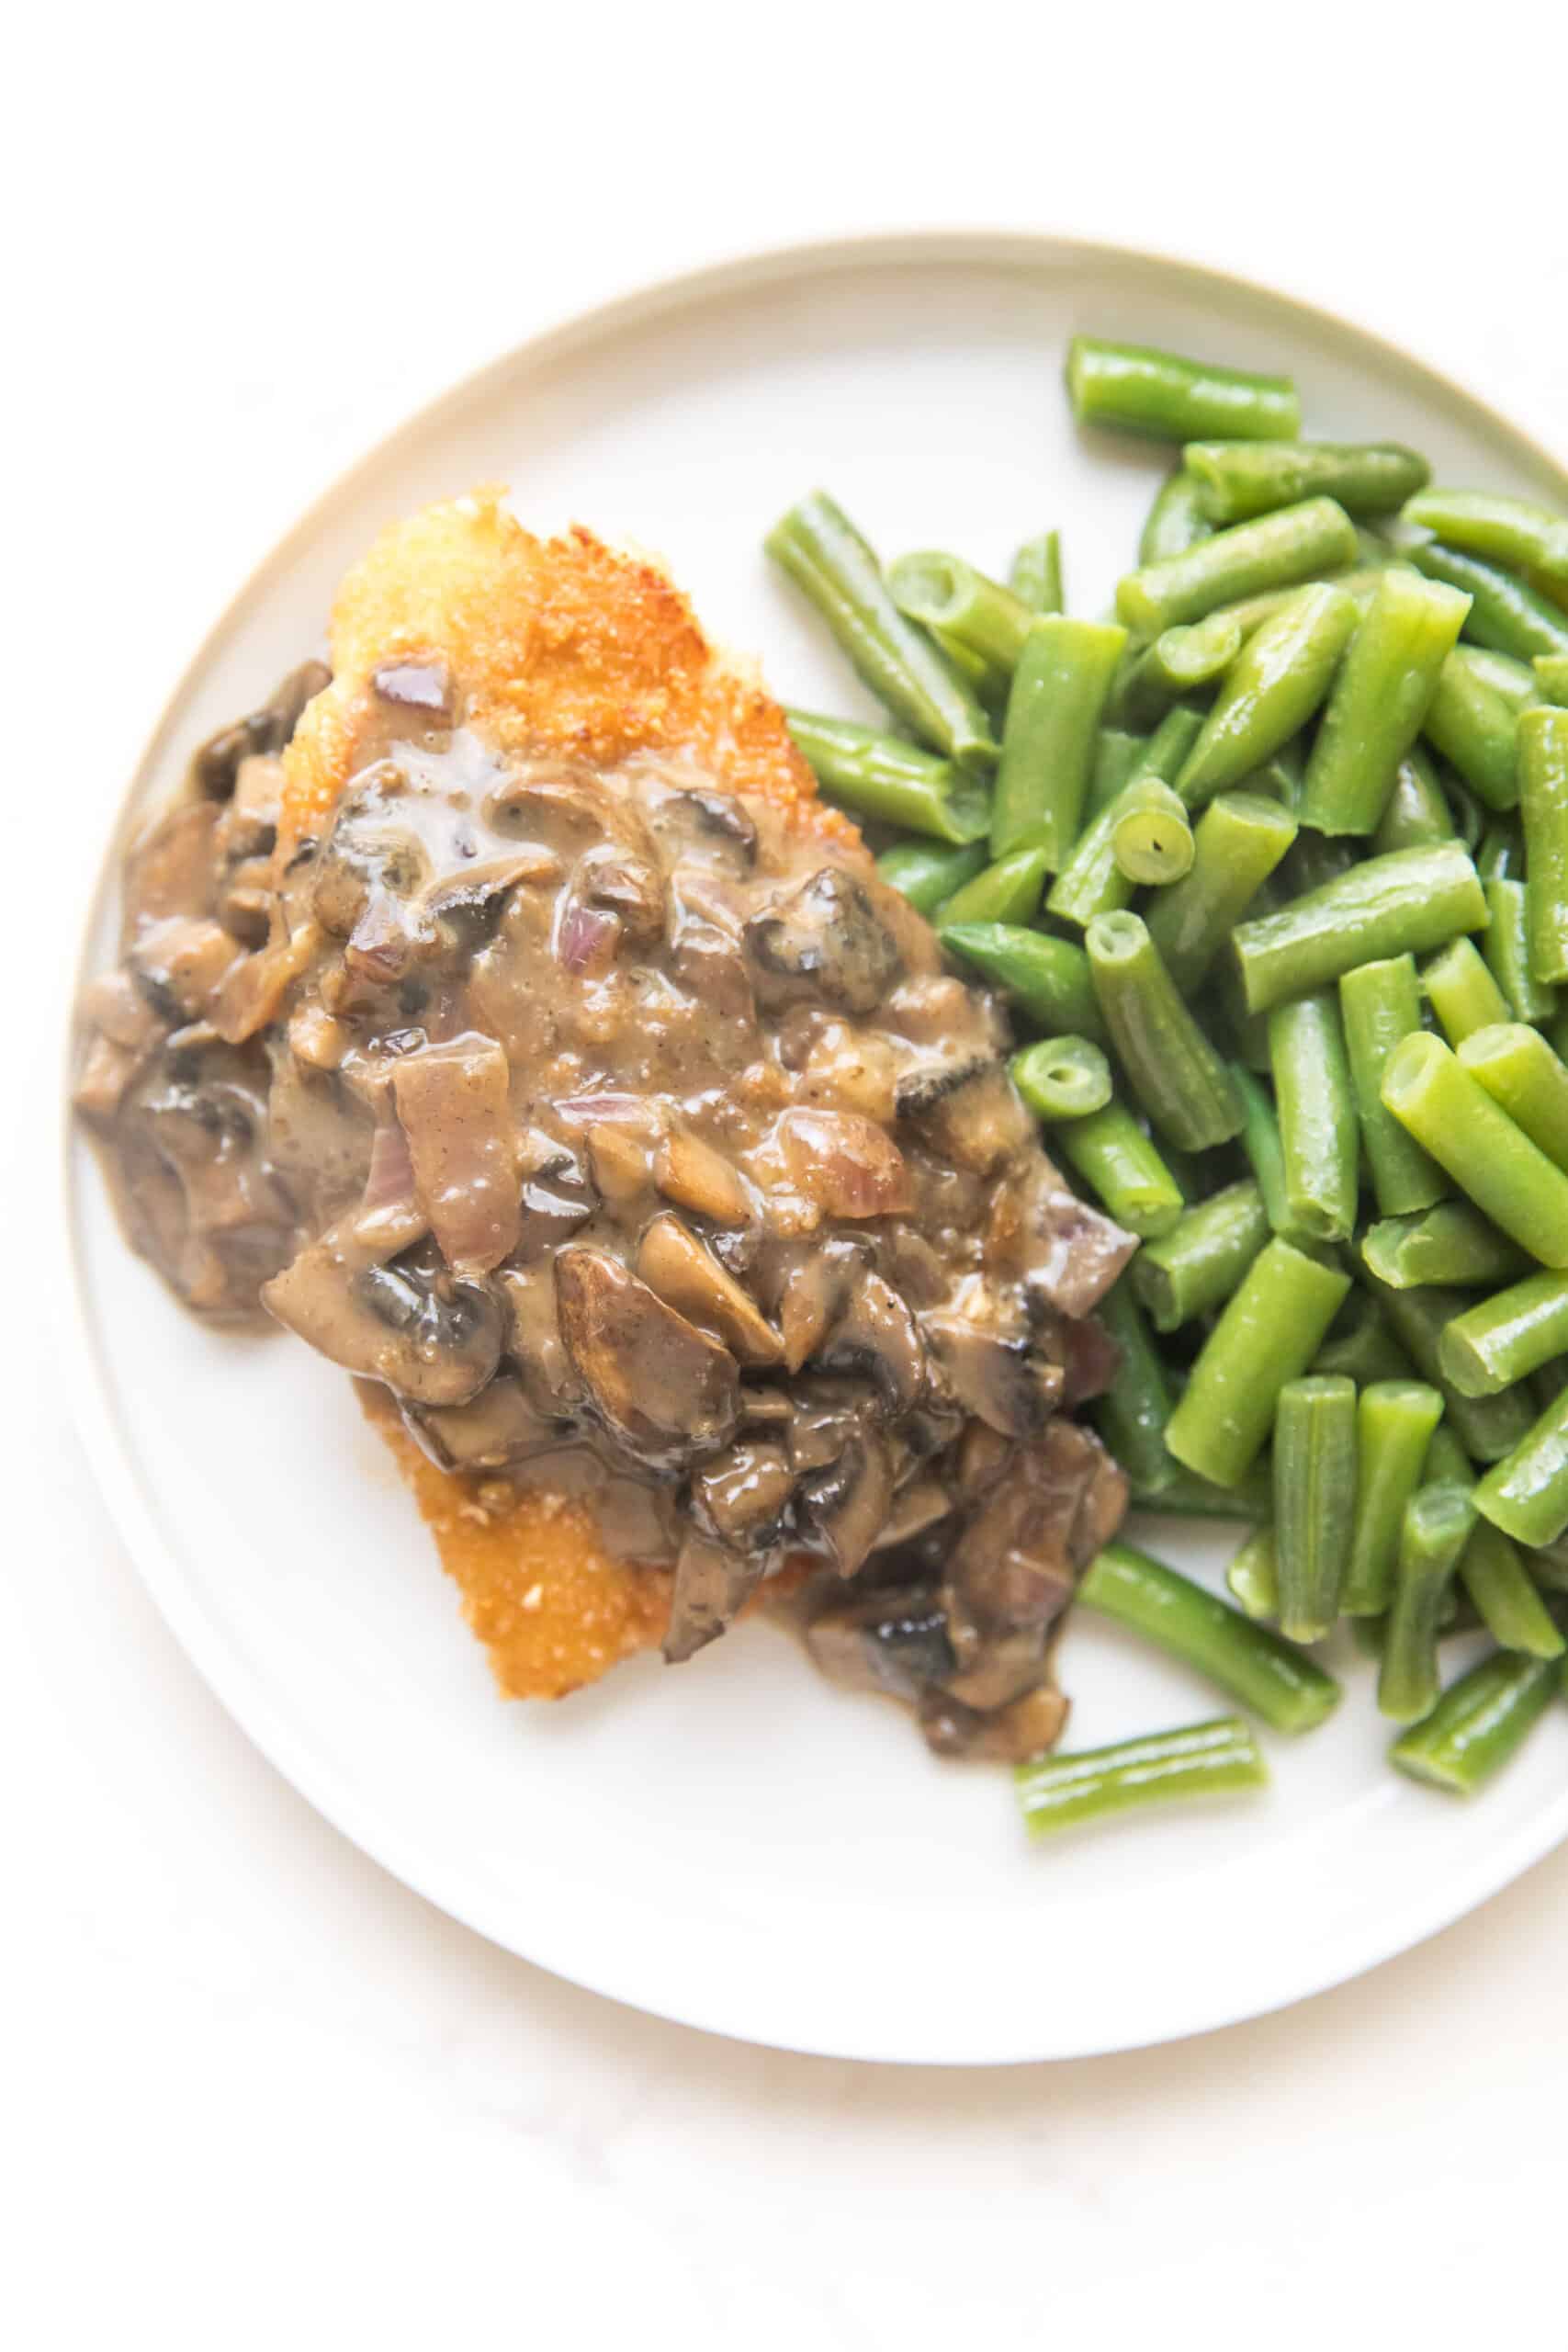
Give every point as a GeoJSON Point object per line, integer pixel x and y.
{"type": "Point", "coordinates": [642, 1147]}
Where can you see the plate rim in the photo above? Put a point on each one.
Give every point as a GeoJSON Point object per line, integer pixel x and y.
{"type": "Point", "coordinates": [223, 1669]}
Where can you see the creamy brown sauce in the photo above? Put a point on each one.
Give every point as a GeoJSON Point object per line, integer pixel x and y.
{"type": "Point", "coordinates": [642, 1147]}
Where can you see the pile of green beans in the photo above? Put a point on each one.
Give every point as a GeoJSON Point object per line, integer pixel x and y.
{"type": "Point", "coordinates": [1271, 868]}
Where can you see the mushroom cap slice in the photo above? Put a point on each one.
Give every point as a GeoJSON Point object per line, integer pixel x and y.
{"type": "Point", "coordinates": [662, 1387]}
{"type": "Point", "coordinates": [674, 1262]}
{"type": "Point", "coordinates": [387, 1323]}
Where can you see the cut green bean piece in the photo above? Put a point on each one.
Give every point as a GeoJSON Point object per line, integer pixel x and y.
{"type": "Point", "coordinates": [1279, 778]}
{"type": "Point", "coordinates": [1490, 1158]}
{"type": "Point", "coordinates": [1551, 677]}
{"type": "Point", "coordinates": [1264, 1672]}
{"type": "Point", "coordinates": [1506, 1338]}
{"type": "Point", "coordinates": [1199, 1760]}
{"type": "Point", "coordinates": [1051, 737]}
{"type": "Point", "coordinates": [1047, 978]}
{"type": "Point", "coordinates": [1435, 1530]}
{"type": "Point", "coordinates": [1091, 882]}
{"type": "Point", "coordinates": [1253, 1574]}
{"type": "Point", "coordinates": [825, 557]}
{"type": "Point", "coordinates": [1379, 700]}
{"type": "Point", "coordinates": [1062, 1078]}
{"type": "Point", "coordinates": [1473, 719]}
{"type": "Point", "coordinates": [1198, 1262]}
{"type": "Point", "coordinates": [1260, 1143]}
{"type": "Point", "coordinates": [1175, 521]}
{"type": "Point", "coordinates": [1451, 1243]}
{"type": "Point", "coordinates": [1116, 754]}
{"type": "Point", "coordinates": [1131, 1414]}
{"type": "Point", "coordinates": [943, 593]}
{"type": "Point", "coordinates": [1395, 1422]}
{"type": "Point", "coordinates": [1519, 1070]}
{"type": "Point", "coordinates": [1543, 806]}
{"type": "Point", "coordinates": [1487, 1427]}
{"type": "Point", "coordinates": [1461, 991]}
{"type": "Point", "coordinates": [1036, 575]}
{"type": "Point", "coordinates": [1314, 1501]}
{"type": "Point", "coordinates": [1266, 1337]}
{"type": "Point", "coordinates": [1500, 1589]}
{"type": "Point", "coordinates": [1380, 1004]}
{"type": "Point", "coordinates": [1175, 1073]}
{"type": "Point", "coordinates": [1121, 1166]}
{"type": "Point", "coordinates": [1280, 551]}
{"type": "Point", "coordinates": [1478, 1723]}
{"type": "Point", "coordinates": [1319, 1134]}
{"type": "Point", "coordinates": [1237, 843]}
{"type": "Point", "coordinates": [1167, 398]}
{"type": "Point", "coordinates": [1363, 1347]}
{"type": "Point", "coordinates": [1416, 811]}
{"type": "Point", "coordinates": [1007, 892]}
{"type": "Point", "coordinates": [928, 877]}
{"type": "Point", "coordinates": [1186, 1496]}
{"type": "Point", "coordinates": [1526, 1494]}
{"type": "Point", "coordinates": [1180, 661]}
{"type": "Point", "coordinates": [1505, 613]}
{"type": "Point", "coordinates": [1150, 839]}
{"type": "Point", "coordinates": [1412, 900]}
{"type": "Point", "coordinates": [1269, 690]}
{"type": "Point", "coordinates": [1512, 531]}
{"type": "Point", "coordinates": [1237, 479]}
{"type": "Point", "coordinates": [1501, 853]}
{"type": "Point", "coordinates": [1508, 949]}
{"type": "Point", "coordinates": [892, 782]}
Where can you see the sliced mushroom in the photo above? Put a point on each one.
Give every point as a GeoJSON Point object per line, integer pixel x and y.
{"type": "Point", "coordinates": [715, 821]}
{"type": "Point", "coordinates": [534, 1337]}
{"type": "Point", "coordinates": [847, 1505]}
{"type": "Point", "coordinates": [813, 1293]}
{"type": "Point", "coordinates": [712, 1585]}
{"type": "Point", "coordinates": [672, 1262]}
{"type": "Point", "coordinates": [876, 1337]}
{"type": "Point", "coordinates": [454, 1106]}
{"type": "Point", "coordinates": [741, 1496]}
{"type": "Point", "coordinates": [969, 1111]}
{"type": "Point", "coordinates": [923, 1503]}
{"type": "Point", "coordinates": [660, 1386]}
{"type": "Point", "coordinates": [630, 886]}
{"type": "Point", "coordinates": [252, 995]}
{"type": "Point", "coordinates": [498, 1427]}
{"type": "Point", "coordinates": [266, 730]}
{"type": "Point", "coordinates": [892, 1642]}
{"type": "Point", "coordinates": [848, 1165]}
{"type": "Point", "coordinates": [433, 1338]}
{"type": "Point", "coordinates": [1064, 1253]}
{"type": "Point", "coordinates": [171, 870]}
{"type": "Point", "coordinates": [1000, 1375]}
{"type": "Point", "coordinates": [823, 940]}
{"type": "Point", "coordinates": [1028, 1725]}
{"type": "Point", "coordinates": [557, 1195]}
{"type": "Point", "coordinates": [693, 1174]}
{"type": "Point", "coordinates": [996, 1664]}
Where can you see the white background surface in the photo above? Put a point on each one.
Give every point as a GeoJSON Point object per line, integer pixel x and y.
{"type": "Point", "coordinates": [253, 2093]}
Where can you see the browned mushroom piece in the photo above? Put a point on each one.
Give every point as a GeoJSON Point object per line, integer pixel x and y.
{"type": "Point", "coordinates": [172, 869]}
{"type": "Point", "coordinates": [663, 1388]}
{"type": "Point", "coordinates": [711, 1585]}
{"type": "Point", "coordinates": [690, 1173]}
{"type": "Point", "coordinates": [823, 940]}
{"type": "Point", "coordinates": [214, 767]}
{"type": "Point", "coordinates": [454, 1106]}
{"type": "Point", "coordinates": [432, 1338]}
{"type": "Point", "coordinates": [498, 1427]}
{"type": "Point", "coordinates": [813, 1293]}
{"type": "Point", "coordinates": [1028, 1725]}
{"type": "Point", "coordinates": [533, 1338]}
{"type": "Point", "coordinates": [971, 1112]}
{"type": "Point", "coordinates": [916, 1507]}
{"type": "Point", "coordinates": [741, 1495]}
{"type": "Point", "coordinates": [557, 1195]}
{"type": "Point", "coordinates": [876, 1337]}
{"type": "Point", "coordinates": [848, 1165]}
{"type": "Point", "coordinates": [846, 1505]}
{"type": "Point", "coordinates": [672, 1262]}
{"type": "Point", "coordinates": [893, 1640]}
{"type": "Point", "coordinates": [713, 824]}
{"type": "Point", "coordinates": [997, 1373]}
{"type": "Point", "coordinates": [1063, 1252]}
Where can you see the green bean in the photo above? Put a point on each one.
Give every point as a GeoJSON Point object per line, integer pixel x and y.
{"type": "Point", "coordinates": [1519, 1070]}
{"type": "Point", "coordinates": [1451, 1243]}
{"type": "Point", "coordinates": [1174, 522]}
{"type": "Point", "coordinates": [1506, 530]}
{"type": "Point", "coordinates": [1526, 1494]}
{"type": "Point", "coordinates": [1487, 1427]}
{"type": "Point", "coordinates": [1471, 820]}
{"type": "Point", "coordinates": [1035, 578]}
{"type": "Point", "coordinates": [1478, 1723]}
{"type": "Point", "coordinates": [1395, 1422]}
{"type": "Point", "coordinates": [1505, 614]}
{"type": "Point", "coordinates": [1175, 1072]}
{"type": "Point", "coordinates": [892, 782]}
{"type": "Point", "coordinates": [1461, 991]}
{"type": "Point", "coordinates": [1167, 398]}
{"type": "Point", "coordinates": [1150, 839]}
{"type": "Point", "coordinates": [1007, 892]}
{"type": "Point", "coordinates": [1287, 1691]}
{"type": "Point", "coordinates": [1199, 1760]}
{"type": "Point", "coordinates": [1237, 479]}
{"type": "Point", "coordinates": [1491, 1570]}
{"type": "Point", "coordinates": [1380, 1004]}
{"type": "Point", "coordinates": [1551, 677]}
{"type": "Point", "coordinates": [1378, 699]}
{"type": "Point", "coordinates": [1180, 661]}
{"type": "Point", "coordinates": [823, 553]}
{"type": "Point", "coordinates": [1186, 1496]}
{"type": "Point", "coordinates": [1409, 901]}
{"type": "Point", "coordinates": [1049, 741]}
{"type": "Point", "coordinates": [1504, 1339]}
{"type": "Point", "coordinates": [1490, 1158]}
{"type": "Point", "coordinates": [1260, 1143]}
{"type": "Point", "coordinates": [1267, 1336]}
{"type": "Point", "coordinates": [1315, 859]}
{"type": "Point", "coordinates": [1501, 854]}
{"type": "Point", "coordinates": [1091, 882]}
{"type": "Point", "coordinates": [1062, 1078]}
{"type": "Point", "coordinates": [1237, 844]}
{"type": "Point", "coordinates": [1131, 1413]}
{"type": "Point", "coordinates": [1198, 1262]}
{"type": "Point", "coordinates": [927, 877]}
{"type": "Point", "coordinates": [1434, 1532]}
{"type": "Point", "coordinates": [1543, 806]}
{"type": "Point", "coordinates": [1506, 944]}
{"type": "Point", "coordinates": [1318, 1129]}
{"type": "Point", "coordinates": [1314, 1501]}
{"type": "Point", "coordinates": [1047, 978]}
{"type": "Point", "coordinates": [1279, 778]}
{"type": "Point", "coordinates": [944, 593]}
{"type": "Point", "coordinates": [1280, 551]}
{"type": "Point", "coordinates": [1416, 812]}
{"type": "Point", "coordinates": [1473, 719]}
{"type": "Point", "coordinates": [1269, 690]}
{"type": "Point", "coordinates": [1363, 1347]}
{"type": "Point", "coordinates": [1116, 754]}
{"type": "Point", "coordinates": [1123, 1169]}
{"type": "Point", "coordinates": [1253, 1574]}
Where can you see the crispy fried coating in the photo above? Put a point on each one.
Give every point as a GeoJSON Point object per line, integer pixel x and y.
{"type": "Point", "coordinates": [558, 645]}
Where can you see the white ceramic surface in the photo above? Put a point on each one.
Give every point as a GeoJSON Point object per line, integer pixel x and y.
{"type": "Point", "coordinates": [738, 1845]}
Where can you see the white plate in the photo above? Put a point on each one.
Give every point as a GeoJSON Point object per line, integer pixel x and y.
{"type": "Point", "coordinates": [737, 1844]}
